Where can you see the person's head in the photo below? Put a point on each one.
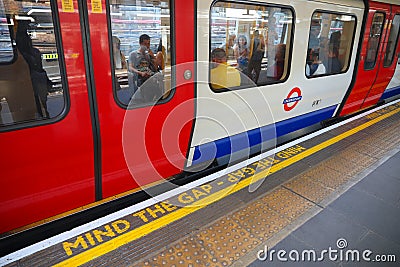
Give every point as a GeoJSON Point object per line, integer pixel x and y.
{"type": "Point", "coordinates": [143, 49]}
{"type": "Point", "coordinates": [242, 40]}
{"type": "Point", "coordinates": [116, 43]}
{"type": "Point", "coordinates": [315, 55]}
{"type": "Point", "coordinates": [256, 33]}
{"type": "Point", "coordinates": [315, 27]}
{"type": "Point", "coordinates": [218, 55]}
{"type": "Point", "coordinates": [144, 39]}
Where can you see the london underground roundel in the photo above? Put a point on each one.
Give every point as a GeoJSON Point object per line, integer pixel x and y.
{"type": "Point", "coordinates": [292, 99]}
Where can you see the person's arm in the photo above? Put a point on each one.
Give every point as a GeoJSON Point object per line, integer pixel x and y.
{"type": "Point", "coordinates": [123, 60]}
{"type": "Point", "coordinates": [132, 68]}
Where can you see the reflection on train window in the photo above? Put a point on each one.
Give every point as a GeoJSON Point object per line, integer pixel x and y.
{"type": "Point", "coordinates": [30, 81]}
{"type": "Point", "coordinates": [6, 49]}
{"type": "Point", "coordinates": [373, 41]}
{"type": "Point", "coordinates": [392, 41]}
{"type": "Point", "coordinates": [249, 44]}
{"type": "Point", "coordinates": [141, 51]}
{"type": "Point", "coordinates": [329, 44]}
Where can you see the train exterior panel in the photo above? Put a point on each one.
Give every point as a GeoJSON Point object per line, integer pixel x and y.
{"type": "Point", "coordinates": [393, 88]}
{"type": "Point", "coordinates": [377, 63]}
{"type": "Point", "coordinates": [233, 113]}
{"type": "Point", "coordinates": [141, 159]}
{"type": "Point", "coordinates": [47, 169]}
{"type": "Point", "coordinates": [103, 99]}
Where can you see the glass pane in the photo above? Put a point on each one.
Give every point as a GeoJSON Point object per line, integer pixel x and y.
{"type": "Point", "coordinates": [141, 51]}
{"type": "Point", "coordinates": [373, 41]}
{"type": "Point", "coordinates": [330, 43]}
{"type": "Point", "coordinates": [249, 44]}
{"type": "Point", "coordinates": [6, 49]}
{"type": "Point", "coordinates": [392, 41]}
{"type": "Point", "coordinates": [30, 84]}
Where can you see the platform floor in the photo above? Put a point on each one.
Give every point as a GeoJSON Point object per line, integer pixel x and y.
{"type": "Point", "coordinates": [339, 190]}
{"type": "Point", "coordinates": [366, 217]}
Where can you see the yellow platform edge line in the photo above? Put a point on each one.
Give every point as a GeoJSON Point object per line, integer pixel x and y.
{"type": "Point", "coordinates": [146, 229]}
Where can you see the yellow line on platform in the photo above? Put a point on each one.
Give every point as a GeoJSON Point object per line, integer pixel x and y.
{"type": "Point", "coordinates": [146, 229]}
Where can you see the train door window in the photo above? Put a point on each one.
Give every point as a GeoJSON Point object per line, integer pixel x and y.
{"type": "Point", "coordinates": [330, 43]}
{"type": "Point", "coordinates": [250, 45]}
{"type": "Point", "coordinates": [392, 41]}
{"type": "Point", "coordinates": [6, 48]}
{"type": "Point", "coordinates": [30, 81]}
{"type": "Point", "coordinates": [141, 51]}
{"type": "Point", "coordinates": [374, 40]}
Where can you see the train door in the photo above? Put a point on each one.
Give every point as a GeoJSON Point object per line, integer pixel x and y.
{"type": "Point", "coordinates": [387, 62]}
{"type": "Point", "coordinates": [46, 135]}
{"type": "Point", "coordinates": [142, 56]}
{"type": "Point", "coordinates": [370, 60]}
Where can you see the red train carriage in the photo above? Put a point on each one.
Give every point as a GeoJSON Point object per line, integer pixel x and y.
{"type": "Point", "coordinates": [379, 56]}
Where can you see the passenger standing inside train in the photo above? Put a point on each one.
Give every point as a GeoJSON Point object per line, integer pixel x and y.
{"type": "Point", "coordinates": [223, 76]}
{"type": "Point", "coordinates": [372, 46]}
{"type": "Point", "coordinates": [119, 57]}
{"type": "Point", "coordinates": [137, 61]}
{"type": "Point", "coordinates": [40, 81]}
{"type": "Point", "coordinates": [256, 56]}
{"type": "Point", "coordinates": [142, 63]}
{"type": "Point", "coordinates": [143, 56]}
{"type": "Point", "coordinates": [277, 69]}
{"type": "Point", "coordinates": [314, 42]}
{"type": "Point", "coordinates": [160, 57]}
{"type": "Point", "coordinates": [229, 47]}
{"type": "Point", "coordinates": [241, 53]}
{"type": "Point", "coordinates": [333, 64]}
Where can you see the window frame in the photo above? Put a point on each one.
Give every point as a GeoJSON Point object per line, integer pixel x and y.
{"type": "Point", "coordinates": [351, 42]}
{"type": "Point", "coordinates": [288, 54]}
{"type": "Point", "coordinates": [379, 41]}
{"type": "Point", "coordinates": [172, 55]}
{"type": "Point", "coordinates": [394, 47]}
{"type": "Point", "coordinates": [63, 76]}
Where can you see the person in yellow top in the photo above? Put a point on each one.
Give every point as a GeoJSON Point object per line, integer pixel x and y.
{"type": "Point", "coordinates": [222, 75]}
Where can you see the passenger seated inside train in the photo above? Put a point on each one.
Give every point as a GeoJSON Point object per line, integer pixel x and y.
{"type": "Point", "coordinates": [314, 65]}
{"type": "Point", "coordinates": [278, 66]}
{"type": "Point", "coordinates": [221, 75]}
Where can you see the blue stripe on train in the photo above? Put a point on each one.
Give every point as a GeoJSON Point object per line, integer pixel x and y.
{"type": "Point", "coordinates": [390, 92]}
{"type": "Point", "coordinates": [235, 143]}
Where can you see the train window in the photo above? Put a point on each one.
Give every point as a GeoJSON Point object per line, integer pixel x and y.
{"type": "Point", "coordinates": [330, 43]}
{"type": "Point", "coordinates": [392, 41]}
{"type": "Point", "coordinates": [374, 40]}
{"type": "Point", "coordinates": [250, 45]}
{"type": "Point", "coordinates": [30, 81]}
{"type": "Point", "coordinates": [141, 51]}
{"type": "Point", "coordinates": [6, 49]}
